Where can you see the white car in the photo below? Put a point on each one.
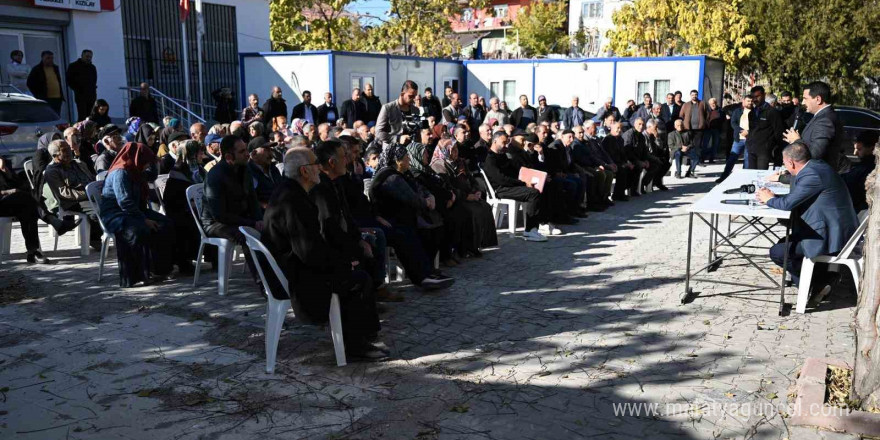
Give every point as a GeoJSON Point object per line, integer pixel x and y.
{"type": "Point", "coordinates": [23, 119]}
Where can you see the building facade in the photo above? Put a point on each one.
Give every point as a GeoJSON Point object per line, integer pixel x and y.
{"type": "Point", "coordinates": [483, 32]}
{"type": "Point", "coordinates": [594, 17]}
{"type": "Point", "coordinates": [135, 41]}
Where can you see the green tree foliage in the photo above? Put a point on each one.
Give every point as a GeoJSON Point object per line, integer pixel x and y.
{"type": "Point", "coordinates": [538, 29]}
{"type": "Point", "coordinates": [330, 27]}
{"type": "Point", "coordinates": [660, 27]}
{"type": "Point", "coordinates": [420, 27]}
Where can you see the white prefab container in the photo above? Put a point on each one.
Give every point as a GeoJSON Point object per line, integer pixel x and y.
{"type": "Point", "coordinates": [340, 72]}
{"type": "Point", "coordinates": [594, 80]}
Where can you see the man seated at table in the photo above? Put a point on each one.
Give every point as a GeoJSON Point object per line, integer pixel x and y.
{"type": "Point", "coordinates": [314, 268]}
{"type": "Point", "coordinates": [822, 219]}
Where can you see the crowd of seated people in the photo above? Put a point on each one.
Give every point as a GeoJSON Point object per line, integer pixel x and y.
{"type": "Point", "coordinates": [335, 193]}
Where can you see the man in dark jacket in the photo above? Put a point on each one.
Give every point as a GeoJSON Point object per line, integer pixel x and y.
{"type": "Point", "coordinates": [765, 131]}
{"type": "Point", "coordinates": [305, 109]}
{"type": "Point", "coordinates": [545, 112]}
{"type": "Point", "coordinates": [432, 104]}
{"type": "Point", "coordinates": [574, 116]}
{"type": "Point", "coordinates": [144, 106]}
{"type": "Point", "coordinates": [824, 133]}
{"type": "Point", "coordinates": [636, 149]}
{"type": "Point", "coordinates": [225, 112]}
{"type": "Point", "coordinates": [274, 106]}
{"type": "Point", "coordinates": [607, 109]}
{"type": "Point", "coordinates": [314, 268]}
{"type": "Point", "coordinates": [265, 173]}
{"type": "Point", "coordinates": [82, 78]}
{"type": "Point", "coordinates": [504, 178]}
{"type": "Point", "coordinates": [229, 200]}
{"type": "Point", "coordinates": [353, 109]}
{"type": "Point", "coordinates": [327, 112]}
{"type": "Point", "coordinates": [695, 119]}
{"type": "Point", "coordinates": [587, 153]}
{"type": "Point", "coordinates": [44, 81]}
{"type": "Point", "coordinates": [372, 104]}
{"type": "Point", "coordinates": [524, 115]}
{"type": "Point", "coordinates": [822, 219]}
{"type": "Point", "coordinates": [670, 112]}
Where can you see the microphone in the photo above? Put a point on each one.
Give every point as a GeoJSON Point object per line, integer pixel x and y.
{"type": "Point", "coordinates": [735, 202]}
{"type": "Point", "coordinates": [750, 189]}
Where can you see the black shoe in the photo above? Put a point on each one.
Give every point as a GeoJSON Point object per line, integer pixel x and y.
{"type": "Point", "coordinates": [95, 244]}
{"type": "Point", "coordinates": [608, 202]}
{"type": "Point", "coordinates": [68, 224]}
{"type": "Point", "coordinates": [621, 198]}
{"type": "Point", "coordinates": [37, 257]}
{"type": "Point", "coordinates": [581, 213]}
{"type": "Point", "coordinates": [721, 178]}
{"type": "Point", "coordinates": [597, 207]}
{"type": "Point", "coordinates": [431, 283]}
{"type": "Point", "coordinates": [662, 188]}
{"type": "Point", "coordinates": [475, 253]}
{"type": "Point", "coordinates": [677, 175]}
{"type": "Point", "coordinates": [692, 175]}
{"type": "Point", "coordinates": [364, 352]}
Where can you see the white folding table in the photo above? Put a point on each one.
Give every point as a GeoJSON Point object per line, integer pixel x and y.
{"type": "Point", "coordinates": [710, 208]}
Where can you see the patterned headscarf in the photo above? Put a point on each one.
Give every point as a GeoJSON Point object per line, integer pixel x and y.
{"type": "Point", "coordinates": [443, 154]}
{"type": "Point", "coordinates": [187, 158]}
{"type": "Point", "coordinates": [86, 129]}
{"type": "Point", "coordinates": [135, 158]}
{"type": "Point", "coordinates": [297, 125]}
{"type": "Point", "coordinates": [417, 159]}
{"type": "Point", "coordinates": [133, 125]}
{"type": "Point", "coordinates": [391, 153]}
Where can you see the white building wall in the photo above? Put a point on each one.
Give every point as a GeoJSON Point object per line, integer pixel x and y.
{"type": "Point", "coordinates": [347, 67]}
{"type": "Point", "coordinates": [293, 73]}
{"type": "Point", "coordinates": [422, 72]}
{"type": "Point", "coordinates": [603, 24]}
{"type": "Point", "coordinates": [446, 71]}
{"type": "Point", "coordinates": [481, 75]}
{"type": "Point", "coordinates": [683, 75]}
{"type": "Point", "coordinates": [592, 82]}
{"type": "Point", "coordinates": [108, 53]}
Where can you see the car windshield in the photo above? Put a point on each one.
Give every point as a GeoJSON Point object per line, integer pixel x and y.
{"type": "Point", "coordinates": [24, 112]}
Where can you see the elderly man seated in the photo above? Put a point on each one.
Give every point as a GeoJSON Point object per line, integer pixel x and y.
{"type": "Point", "coordinates": [65, 187]}
{"type": "Point", "coordinates": [316, 269]}
{"type": "Point", "coordinates": [111, 138]}
{"type": "Point", "coordinates": [822, 221]}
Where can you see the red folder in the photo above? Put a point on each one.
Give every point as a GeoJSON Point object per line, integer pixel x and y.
{"type": "Point", "coordinates": [536, 177]}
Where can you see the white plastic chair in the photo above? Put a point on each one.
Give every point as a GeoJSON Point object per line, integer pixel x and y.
{"type": "Point", "coordinates": [842, 258]}
{"type": "Point", "coordinates": [93, 192]}
{"type": "Point", "coordinates": [511, 205]}
{"type": "Point", "coordinates": [159, 186]}
{"type": "Point", "coordinates": [280, 167]}
{"type": "Point", "coordinates": [29, 171]}
{"type": "Point", "coordinates": [277, 309]}
{"type": "Point", "coordinates": [5, 236]}
{"type": "Point", "coordinates": [225, 248]}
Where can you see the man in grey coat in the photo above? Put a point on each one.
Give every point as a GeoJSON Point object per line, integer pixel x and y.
{"type": "Point", "coordinates": [389, 125]}
{"type": "Point", "coordinates": [822, 215]}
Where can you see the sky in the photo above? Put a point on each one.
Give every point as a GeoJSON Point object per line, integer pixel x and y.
{"type": "Point", "coordinates": [371, 7]}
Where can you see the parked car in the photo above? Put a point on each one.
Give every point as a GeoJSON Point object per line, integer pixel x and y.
{"type": "Point", "coordinates": [23, 119]}
{"type": "Point", "coordinates": [856, 120]}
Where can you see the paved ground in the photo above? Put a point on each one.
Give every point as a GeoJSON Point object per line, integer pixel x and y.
{"type": "Point", "coordinates": [534, 341]}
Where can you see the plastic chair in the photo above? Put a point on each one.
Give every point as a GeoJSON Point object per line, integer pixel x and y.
{"type": "Point", "coordinates": [159, 186]}
{"type": "Point", "coordinates": [29, 172]}
{"type": "Point", "coordinates": [511, 205]}
{"type": "Point", "coordinates": [225, 248]}
{"type": "Point", "coordinates": [280, 167]}
{"type": "Point", "coordinates": [843, 258]}
{"type": "Point", "coordinates": [277, 309]}
{"type": "Point", "coordinates": [93, 192]}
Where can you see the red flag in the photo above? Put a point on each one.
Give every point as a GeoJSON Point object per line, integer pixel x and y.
{"type": "Point", "coordinates": [184, 10]}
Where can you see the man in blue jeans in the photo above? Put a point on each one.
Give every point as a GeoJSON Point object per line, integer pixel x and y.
{"type": "Point", "coordinates": [739, 120]}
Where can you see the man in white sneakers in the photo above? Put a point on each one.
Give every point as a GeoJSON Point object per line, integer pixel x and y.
{"type": "Point", "coordinates": [503, 176]}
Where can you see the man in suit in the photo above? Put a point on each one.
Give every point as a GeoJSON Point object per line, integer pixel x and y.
{"type": "Point", "coordinates": [305, 109]}
{"type": "Point", "coordinates": [695, 120]}
{"type": "Point", "coordinates": [475, 114]}
{"type": "Point", "coordinates": [822, 215]}
{"type": "Point", "coordinates": [353, 109]}
{"type": "Point", "coordinates": [824, 133]}
{"type": "Point", "coordinates": [587, 153]}
{"type": "Point", "coordinates": [451, 112]}
{"type": "Point", "coordinates": [574, 116]}
{"type": "Point", "coordinates": [314, 267]}
{"type": "Point", "coordinates": [670, 112]}
{"type": "Point", "coordinates": [765, 131]}
{"type": "Point", "coordinates": [327, 112]}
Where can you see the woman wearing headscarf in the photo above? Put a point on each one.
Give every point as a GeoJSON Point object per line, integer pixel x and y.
{"type": "Point", "coordinates": [144, 239]}
{"type": "Point", "coordinates": [402, 202]}
{"type": "Point", "coordinates": [100, 113]}
{"type": "Point", "coordinates": [452, 168]}
{"type": "Point", "coordinates": [187, 171]}
{"type": "Point", "coordinates": [87, 131]}
{"type": "Point", "coordinates": [134, 125]}
{"type": "Point", "coordinates": [456, 231]}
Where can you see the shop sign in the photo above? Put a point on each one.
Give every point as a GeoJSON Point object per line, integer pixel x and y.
{"type": "Point", "coordinates": [80, 5]}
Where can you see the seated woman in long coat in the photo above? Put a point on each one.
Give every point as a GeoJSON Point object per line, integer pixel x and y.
{"type": "Point", "coordinates": [144, 238]}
